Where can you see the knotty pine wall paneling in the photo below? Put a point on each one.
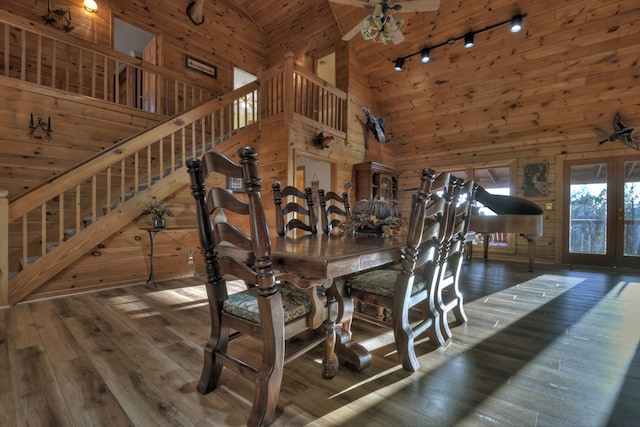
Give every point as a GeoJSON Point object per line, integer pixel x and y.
{"type": "Point", "coordinates": [81, 127]}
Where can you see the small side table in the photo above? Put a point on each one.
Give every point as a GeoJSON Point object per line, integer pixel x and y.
{"type": "Point", "coordinates": [153, 231]}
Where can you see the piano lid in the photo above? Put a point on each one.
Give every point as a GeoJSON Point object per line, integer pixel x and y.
{"type": "Point", "coordinates": [507, 205]}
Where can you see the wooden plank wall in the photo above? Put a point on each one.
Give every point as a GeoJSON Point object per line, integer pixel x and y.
{"type": "Point", "coordinates": [81, 127]}
{"type": "Point", "coordinates": [533, 97]}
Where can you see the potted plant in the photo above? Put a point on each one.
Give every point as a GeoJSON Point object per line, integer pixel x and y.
{"type": "Point", "coordinates": [158, 210]}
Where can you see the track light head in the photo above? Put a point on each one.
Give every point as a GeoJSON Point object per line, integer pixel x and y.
{"type": "Point", "coordinates": [516, 23]}
{"type": "Point", "coordinates": [424, 55]}
{"type": "Point", "coordinates": [398, 64]}
{"type": "Point", "coordinates": [468, 40]}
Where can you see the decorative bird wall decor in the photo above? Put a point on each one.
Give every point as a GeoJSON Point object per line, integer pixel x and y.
{"type": "Point", "coordinates": [376, 125]}
{"type": "Point", "coordinates": [621, 132]}
{"type": "Point", "coordinates": [321, 140]}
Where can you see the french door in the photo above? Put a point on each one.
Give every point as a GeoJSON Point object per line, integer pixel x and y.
{"type": "Point", "coordinates": [601, 223]}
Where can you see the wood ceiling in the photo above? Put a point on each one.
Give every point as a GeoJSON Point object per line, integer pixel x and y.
{"type": "Point", "coordinates": [496, 90]}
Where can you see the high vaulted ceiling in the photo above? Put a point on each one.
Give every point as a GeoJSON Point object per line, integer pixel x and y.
{"type": "Point", "coordinates": [509, 86]}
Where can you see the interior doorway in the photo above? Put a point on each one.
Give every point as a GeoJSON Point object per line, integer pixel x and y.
{"type": "Point", "coordinates": [245, 110]}
{"type": "Point", "coordinates": [326, 68]}
{"type": "Point", "coordinates": [140, 44]}
{"type": "Point", "coordinates": [601, 221]}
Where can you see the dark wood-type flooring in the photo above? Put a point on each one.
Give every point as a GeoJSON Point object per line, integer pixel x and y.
{"type": "Point", "coordinates": [550, 348]}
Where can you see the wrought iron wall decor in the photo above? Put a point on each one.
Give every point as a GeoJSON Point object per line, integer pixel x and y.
{"type": "Point", "coordinates": [59, 18]}
{"type": "Point", "coordinates": [40, 124]}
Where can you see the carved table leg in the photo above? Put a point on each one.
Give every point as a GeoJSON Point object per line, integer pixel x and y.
{"type": "Point", "coordinates": [350, 353]}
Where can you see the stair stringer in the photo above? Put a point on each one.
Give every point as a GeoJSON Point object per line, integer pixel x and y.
{"type": "Point", "coordinates": [52, 263]}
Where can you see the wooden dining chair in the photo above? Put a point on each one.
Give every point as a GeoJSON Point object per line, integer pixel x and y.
{"type": "Point", "coordinates": [410, 289]}
{"type": "Point", "coordinates": [273, 308]}
{"type": "Point", "coordinates": [448, 296]}
{"type": "Point", "coordinates": [334, 209]}
{"type": "Point", "coordinates": [298, 212]}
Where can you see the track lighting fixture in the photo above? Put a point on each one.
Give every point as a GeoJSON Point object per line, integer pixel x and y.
{"type": "Point", "coordinates": [516, 24]}
{"type": "Point", "coordinates": [425, 53]}
{"type": "Point", "coordinates": [468, 40]}
{"type": "Point", "coordinates": [398, 65]}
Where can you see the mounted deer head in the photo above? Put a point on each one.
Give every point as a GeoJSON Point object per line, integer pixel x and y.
{"type": "Point", "coordinates": [195, 11]}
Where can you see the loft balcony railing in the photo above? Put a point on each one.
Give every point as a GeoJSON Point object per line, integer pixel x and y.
{"type": "Point", "coordinates": [62, 62]}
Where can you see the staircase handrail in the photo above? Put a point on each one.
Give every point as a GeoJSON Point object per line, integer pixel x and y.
{"type": "Point", "coordinates": [117, 153]}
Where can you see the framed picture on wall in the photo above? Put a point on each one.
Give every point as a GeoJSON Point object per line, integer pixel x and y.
{"type": "Point", "coordinates": [535, 180]}
{"type": "Point", "coordinates": [200, 66]}
{"type": "Point", "coordinates": [235, 185]}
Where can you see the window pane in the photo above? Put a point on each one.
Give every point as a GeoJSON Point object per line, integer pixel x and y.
{"type": "Point", "coordinates": [495, 181]}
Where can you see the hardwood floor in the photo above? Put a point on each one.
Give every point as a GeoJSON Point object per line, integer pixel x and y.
{"type": "Point", "coordinates": [550, 348]}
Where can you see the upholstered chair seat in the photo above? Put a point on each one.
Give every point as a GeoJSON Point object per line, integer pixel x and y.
{"type": "Point", "coordinates": [295, 303]}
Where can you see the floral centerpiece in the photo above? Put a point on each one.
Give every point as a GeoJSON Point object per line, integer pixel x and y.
{"type": "Point", "coordinates": [378, 216]}
{"type": "Point", "coordinates": [158, 210]}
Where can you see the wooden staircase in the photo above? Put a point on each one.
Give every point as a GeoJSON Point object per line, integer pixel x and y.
{"type": "Point", "coordinates": [53, 225]}
{"type": "Point", "coordinates": [111, 190]}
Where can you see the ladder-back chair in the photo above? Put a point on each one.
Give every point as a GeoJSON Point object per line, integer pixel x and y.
{"type": "Point", "coordinates": [298, 211]}
{"type": "Point", "coordinates": [273, 308]}
{"type": "Point", "coordinates": [449, 297]}
{"type": "Point", "coordinates": [411, 289]}
{"type": "Point", "coordinates": [334, 209]}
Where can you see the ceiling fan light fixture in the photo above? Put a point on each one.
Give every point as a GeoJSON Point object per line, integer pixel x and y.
{"type": "Point", "coordinates": [425, 55]}
{"type": "Point", "coordinates": [468, 40]}
{"type": "Point", "coordinates": [516, 23]}
{"type": "Point", "coordinates": [398, 64]}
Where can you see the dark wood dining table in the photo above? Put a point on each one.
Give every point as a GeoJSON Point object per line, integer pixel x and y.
{"type": "Point", "coordinates": [336, 258]}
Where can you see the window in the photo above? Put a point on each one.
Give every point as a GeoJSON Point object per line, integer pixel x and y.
{"type": "Point", "coordinates": [496, 180]}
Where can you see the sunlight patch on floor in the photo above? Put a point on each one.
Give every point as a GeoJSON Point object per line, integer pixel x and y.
{"type": "Point", "coordinates": [615, 349]}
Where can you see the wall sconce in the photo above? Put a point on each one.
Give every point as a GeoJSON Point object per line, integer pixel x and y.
{"type": "Point", "coordinates": [40, 125]}
{"type": "Point", "coordinates": [58, 18]}
{"type": "Point", "coordinates": [425, 53]}
{"type": "Point", "coordinates": [90, 6]}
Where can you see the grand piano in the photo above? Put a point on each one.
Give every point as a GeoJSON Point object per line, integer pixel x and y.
{"type": "Point", "coordinates": [513, 215]}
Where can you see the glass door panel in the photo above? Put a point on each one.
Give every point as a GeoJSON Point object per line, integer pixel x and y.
{"type": "Point", "coordinates": [601, 223]}
{"type": "Point", "coordinates": [588, 209]}
{"type": "Point", "coordinates": [630, 214]}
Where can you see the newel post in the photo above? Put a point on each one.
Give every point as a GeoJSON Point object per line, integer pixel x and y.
{"type": "Point", "coordinates": [287, 95]}
{"type": "Point", "coordinates": [4, 248]}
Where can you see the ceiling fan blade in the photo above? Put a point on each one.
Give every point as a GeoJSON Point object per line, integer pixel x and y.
{"type": "Point", "coordinates": [353, 31]}
{"type": "Point", "coordinates": [357, 3]}
{"type": "Point", "coordinates": [397, 38]}
{"type": "Point", "coordinates": [419, 5]}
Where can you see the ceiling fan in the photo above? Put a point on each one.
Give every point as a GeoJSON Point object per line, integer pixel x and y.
{"type": "Point", "coordinates": [382, 26]}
